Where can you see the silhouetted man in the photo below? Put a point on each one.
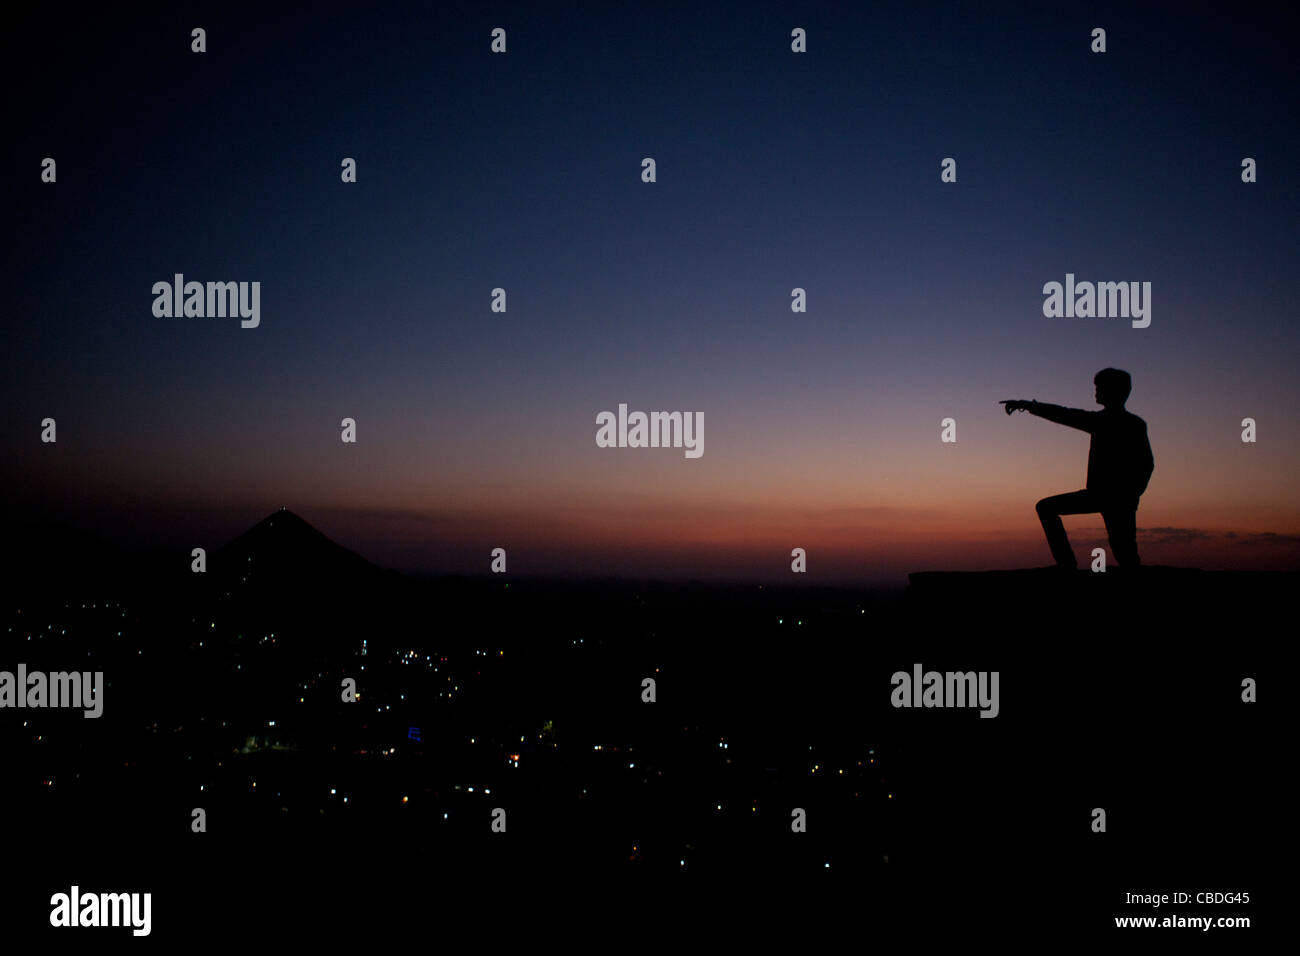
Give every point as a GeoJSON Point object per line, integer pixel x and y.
{"type": "Point", "coordinates": [1119, 467]}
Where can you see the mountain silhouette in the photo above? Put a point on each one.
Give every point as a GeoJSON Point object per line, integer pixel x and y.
{"type": "Point", "coordinates": [285, 579]}
{"type": "Point", "coordinates": [282, 552]}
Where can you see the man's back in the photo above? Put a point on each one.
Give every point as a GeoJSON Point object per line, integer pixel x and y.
{"type": "Point", "coordinates": [1120, 462]}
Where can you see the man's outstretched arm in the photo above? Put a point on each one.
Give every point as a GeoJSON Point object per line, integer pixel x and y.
{"type": "Point", "coordinates": [1074, 417]}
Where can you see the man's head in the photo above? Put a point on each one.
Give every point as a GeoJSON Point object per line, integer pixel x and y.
{"type": "Point", "coordinates": [1113, 387]}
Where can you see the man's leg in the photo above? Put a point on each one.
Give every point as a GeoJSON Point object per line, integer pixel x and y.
{"type": "Point", "coordinates": [1049, 513]}
{"type": "Point", "coordinates": [1121, 528]}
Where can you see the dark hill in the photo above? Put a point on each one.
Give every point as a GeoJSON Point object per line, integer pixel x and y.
{"type": "Point", "coordinates": [284, 578]}
{"type": "Point", "coordinates": [1135, 608]}
{"type": "Point", "coordinates": [283, 552]}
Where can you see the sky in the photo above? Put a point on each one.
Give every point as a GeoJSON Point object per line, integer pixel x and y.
{"type": "Point", "coordinates": [476, 429]}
